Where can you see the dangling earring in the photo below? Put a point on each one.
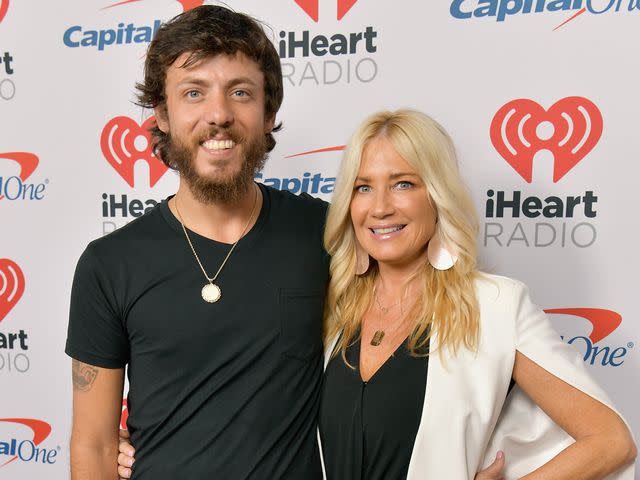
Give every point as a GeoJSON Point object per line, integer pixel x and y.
{"type": "Point", "coordinates": [438, 255]}
{"type": "Point", "coordinates": [362, 259]}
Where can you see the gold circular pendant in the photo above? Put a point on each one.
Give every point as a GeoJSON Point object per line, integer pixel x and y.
{"type": "Point", "coordinates": [211, 293]}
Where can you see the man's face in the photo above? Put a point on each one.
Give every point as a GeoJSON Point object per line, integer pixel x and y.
{"type": "Point", "coordinates": [216, 123]}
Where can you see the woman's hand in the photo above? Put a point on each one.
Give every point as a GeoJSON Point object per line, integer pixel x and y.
{"type": "Point", "coordinates": [125, 458]}
{"type": "Point", "coordinates": [493, 471]}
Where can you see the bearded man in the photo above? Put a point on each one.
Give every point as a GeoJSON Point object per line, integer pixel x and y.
{"type": "Point", "coordinates": [213, 300]}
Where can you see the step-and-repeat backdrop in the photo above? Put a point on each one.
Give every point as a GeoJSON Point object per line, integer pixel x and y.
{"type": "Point", "coordinates": [540, 97]}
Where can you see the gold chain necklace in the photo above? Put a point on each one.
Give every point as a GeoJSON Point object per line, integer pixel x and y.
{"type": "Point", "coordinates": [211, 292]}
{"type": "Point", "coordinates": [379, 334]}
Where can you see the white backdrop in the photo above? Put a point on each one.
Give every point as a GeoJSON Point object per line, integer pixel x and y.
{"type": "Point", "coordinates": [67, 70]}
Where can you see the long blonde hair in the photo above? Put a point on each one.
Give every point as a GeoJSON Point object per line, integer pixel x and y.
{"type": "Point", "coordinates": [449, 307]}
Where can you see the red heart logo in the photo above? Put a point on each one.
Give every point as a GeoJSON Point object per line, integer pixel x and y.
{"type": "Point", "coordinates": [311, 7]}
{"type": "Point", "coordinates": [28, 163]}
{"type": "Point", "coordinates": [4, 6]}
{"type": "Point", "coordinates": [124, 142]}
{"type": "Point", "coordinates": [573, 124]}
{"type": "Point", "coordinates": [189, 4]}
{"type": "Point", "coordinates": [11, 286]}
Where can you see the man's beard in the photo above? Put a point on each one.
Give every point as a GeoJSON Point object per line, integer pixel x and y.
{"type": "Point", "coordinates": [226, 189]}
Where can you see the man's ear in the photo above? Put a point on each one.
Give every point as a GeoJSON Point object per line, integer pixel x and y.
{"type": "Point", "coordinates": [162, 120]}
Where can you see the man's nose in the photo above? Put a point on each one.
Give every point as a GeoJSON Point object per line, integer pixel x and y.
{"type": "Point", "coordinates": [218, 110]}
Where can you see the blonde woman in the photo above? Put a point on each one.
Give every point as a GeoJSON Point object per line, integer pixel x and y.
{"type": "Point", "coordinates": [422, 349]}
{"type": "Point", "coordinates": [401, 232]}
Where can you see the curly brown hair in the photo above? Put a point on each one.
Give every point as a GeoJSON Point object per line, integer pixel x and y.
{"type": "Point", "coordinates": [206, 31]}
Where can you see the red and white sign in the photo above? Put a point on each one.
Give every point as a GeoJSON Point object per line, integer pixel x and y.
{"type": "Point", "coordinates": [124, 142]}
{"type": "Point", "coordinates": [4, 6]}
{"type": "Point", "coordinates": [11, 286]}
{"type": "Point", "coordinates": [311, 7]}
{"type": "Point", "coordinates": [569, 129]}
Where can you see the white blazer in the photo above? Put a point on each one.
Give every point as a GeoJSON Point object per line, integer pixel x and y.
{"type": "Point", "coordinates": [466, 418]}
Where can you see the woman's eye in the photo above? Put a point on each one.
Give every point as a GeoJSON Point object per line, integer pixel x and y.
{"type": "Point", "coordinates": [363, 188]}
{"type": "Point", "coordinates": [404, 185]}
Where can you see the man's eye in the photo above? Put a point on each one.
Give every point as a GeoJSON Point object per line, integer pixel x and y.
{"type": "Point", "coordinates": [362, 188]}
{"type": "Point", "coordinates": [241, 93]}
{"type": "Point", "coordinates": [193, 94]}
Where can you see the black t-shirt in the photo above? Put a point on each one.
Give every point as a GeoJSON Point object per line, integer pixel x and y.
{"type": "Point", "coordinates": [228, 390]}
{"type": "Point", "coordinates": [368, 428]}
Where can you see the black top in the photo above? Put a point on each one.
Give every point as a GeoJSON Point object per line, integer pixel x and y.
{"type": "Point", "coordinates": [368, 428]}
{"type": "Point", "coordinates": [228, 390]}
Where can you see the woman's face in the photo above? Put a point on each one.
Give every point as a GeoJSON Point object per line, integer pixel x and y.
{"type": "Point", "coordinates": [390, 209]}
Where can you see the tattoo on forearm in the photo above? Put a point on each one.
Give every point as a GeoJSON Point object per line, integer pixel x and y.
{"type": "Point", "coordinates": [83, 375]}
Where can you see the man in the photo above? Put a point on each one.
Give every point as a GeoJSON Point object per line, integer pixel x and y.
{"type": "Point", "coordinates": [214, 298]}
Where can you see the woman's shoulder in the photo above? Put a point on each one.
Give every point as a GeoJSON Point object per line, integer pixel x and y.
{"type": "Point", "coordinates": [498, 284]}
{"type": "Point", "coordinates": [497, 293]}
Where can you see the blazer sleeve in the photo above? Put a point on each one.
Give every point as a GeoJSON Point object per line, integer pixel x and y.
{"type": "Point", "coordinates": [524, 432]}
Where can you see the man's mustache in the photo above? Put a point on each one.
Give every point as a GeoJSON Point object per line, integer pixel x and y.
{"type": "Point", "coordinates": [228, 133]}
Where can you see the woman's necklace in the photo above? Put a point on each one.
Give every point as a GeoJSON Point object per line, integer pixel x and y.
{"type": "Point", "coordinates": [379, 334]}
{"type": "Point", "coordinates": [211, 292]}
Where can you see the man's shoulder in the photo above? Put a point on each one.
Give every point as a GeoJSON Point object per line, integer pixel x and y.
{"type": "Point", "coordinates": [303, 203]}
{"type": "Point", "coordinates": [142, 230]}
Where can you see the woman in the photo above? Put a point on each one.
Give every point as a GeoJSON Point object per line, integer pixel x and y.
{"type": "Point", "coordinates": [421, 347]}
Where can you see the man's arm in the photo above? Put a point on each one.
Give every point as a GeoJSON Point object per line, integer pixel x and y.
{"type": "Point", "coordinates": [97, 406]}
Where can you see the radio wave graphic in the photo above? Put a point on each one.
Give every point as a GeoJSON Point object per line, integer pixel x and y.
{"type": "Point", "coordinates": [570, 129]}
{"type": "Point", "coordinates": [11, 285]}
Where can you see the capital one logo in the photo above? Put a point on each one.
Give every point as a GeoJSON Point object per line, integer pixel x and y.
{"type": "Point", "coordinates": [603, 322]}
{"type": "Point", "coordinates": [28, 162]}
{"type": "Point", "coordinates": [11, 286]}
{"type": "Point", "coordinates": [124, 142]}
{"type": "Point", "coordinates": [311, 7]}
{"type": "Point", "coordinates": [4, 6]}
{"type": "Point", "coordinates": [569, 129]}
{"type": "Point", "coordinates": [186, 4]}
{"type": "Point", "coordinates": [28, 450]}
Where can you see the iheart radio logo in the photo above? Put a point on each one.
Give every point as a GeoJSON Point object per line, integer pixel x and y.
{"type": "Point", "coordinates": [311, 7]}
{"type": "Point", "coordinates": [11, 286]}
{"type": "Point", "coordinates": [4, 6]}
{"type": "Point", "coordinates": [28, 163]}
{"type": "Point", "coordinates": [40, 429]}
{"type": "Point", "coordinates": [569, 129]}
{"type": "Point", "coordinates": [604, 321]}
{"type": "Point", "coordinates": [124, 143]}
{"type": "Point", "coordinates": [186, 4]}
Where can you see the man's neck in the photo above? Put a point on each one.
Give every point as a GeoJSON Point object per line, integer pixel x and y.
{"type": "Point", "coordinates": [221, 221]}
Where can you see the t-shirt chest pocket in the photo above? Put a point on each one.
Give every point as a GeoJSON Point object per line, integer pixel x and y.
{"type": "Point", "coordinates": [301, 322]}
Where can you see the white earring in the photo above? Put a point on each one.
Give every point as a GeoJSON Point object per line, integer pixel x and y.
{"type": "Point", "coordinates": [438, 255]}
